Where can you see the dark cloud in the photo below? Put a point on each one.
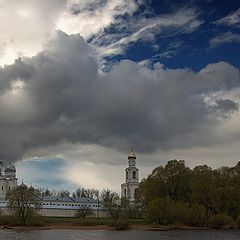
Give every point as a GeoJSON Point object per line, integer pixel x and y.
{"type": "Point", "coordinates": [59, 96]}
{"type": "Point", "coordinates": [227, 105]}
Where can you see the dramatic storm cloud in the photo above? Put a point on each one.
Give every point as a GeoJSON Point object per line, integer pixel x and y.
{"type": "Point", "coordinates": [59, 96]}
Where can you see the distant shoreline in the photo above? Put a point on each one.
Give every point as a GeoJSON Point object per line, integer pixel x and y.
{"type": "Point", "coordinates": [68, 226]}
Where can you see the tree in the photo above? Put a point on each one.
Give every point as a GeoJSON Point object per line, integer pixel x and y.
{"type": "Point", "coordinates": [63, 193]}
{"type": "Point", "coordinates": [111, 202]}
{"type": "Point", "coordinates": [43, 192]}
{"type": "Point", "coordinates": [195, 194]}
{"type": "Point", "coordinates": [74, 195]}
{"type": "Point", "coordinates": [83, 212]}
{"type": "Point", "coordinates": [196, 215]}
{"type": "Point", "coordinates": [160, 211]}
{"type": "Point", "coordinates": [171, 181]}
{"type": "Point", "coordinates": [86, 193]}
{"type": "Point", "coordinates": [178, 178]}
{"type": "Point", "coordinates": [23, 202]}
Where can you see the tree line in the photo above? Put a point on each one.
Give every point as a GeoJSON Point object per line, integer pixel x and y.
{"type": "Point", "coordinates": [201, 196]}
{"type": "Point", "coordinates": [78, 193]}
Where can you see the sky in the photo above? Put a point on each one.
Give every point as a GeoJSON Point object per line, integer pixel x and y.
{"type": "Point", "coordinates": [81, 81]}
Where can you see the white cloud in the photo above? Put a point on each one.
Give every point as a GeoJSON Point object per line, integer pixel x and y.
{"type": "Point", "coordinates": [146, 29]}
{"type": "Point", "coordinates": [100, 176]}
{"type": "Point", "coordinates": [224, 38]}
{"type": "Point", "coordinates": [25, 26]}
{"type": "Point", "coordinates": [109, 25]}
{"type": "Point", "coordinates": [233, 19]}
{"type": "Point", "coordinates": [92, 17]}
{"type": "Point", "coordinates": [68, 174]}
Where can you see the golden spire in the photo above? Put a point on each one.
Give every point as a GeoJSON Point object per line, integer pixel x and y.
{"type": "Point", "coordinates": [132, 154]}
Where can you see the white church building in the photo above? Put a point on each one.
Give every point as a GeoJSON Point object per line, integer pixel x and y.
{"type": "Point", "coordinates": [128, 188]}
{"type": "Point", "coordinates": [8, 180]}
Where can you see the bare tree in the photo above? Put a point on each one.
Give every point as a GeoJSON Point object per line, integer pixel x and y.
{"type": "Point", "coordinates": [111, 202]}
{"type": "Point", "coordinates": [23, 202]}
{"type": "Point", "coordinates": [63, 193]}
{"type": "Point", "coordinates": [83, 212]}
{"type": "Point", "coordinates": [86, 193]}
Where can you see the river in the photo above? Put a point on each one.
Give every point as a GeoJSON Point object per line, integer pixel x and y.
{"type": "Point", "coordinates": [120, 235]}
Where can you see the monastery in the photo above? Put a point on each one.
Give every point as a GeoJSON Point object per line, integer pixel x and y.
{"type": "Point", "coordinates": [68, 206]}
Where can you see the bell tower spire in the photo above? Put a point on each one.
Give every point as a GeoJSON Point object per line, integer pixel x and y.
{"type": "Point", "coordinates": [132, 158]}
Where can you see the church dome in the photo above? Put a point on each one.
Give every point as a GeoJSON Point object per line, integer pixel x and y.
{"type": "Point", "coordinates": [22, 186]}
{"type": "Point", "coordinates": [10, 168]}
{"type": "Point", "coordinates": [132, 154]}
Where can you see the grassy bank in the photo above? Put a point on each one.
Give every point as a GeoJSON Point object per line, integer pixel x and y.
{"type": "Point", "coordinates": [96, 223]}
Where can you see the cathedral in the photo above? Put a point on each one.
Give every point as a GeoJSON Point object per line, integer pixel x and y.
{"type": "Point", "coordinates": [8, 180]}
{"type": "Point", "coordinates": [128, 188]}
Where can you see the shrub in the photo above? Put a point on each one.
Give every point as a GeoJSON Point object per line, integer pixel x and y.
{"type": "Point", "coordinates": [35, 220]}
{"type": "Point", "coordinates": [132, 213]}
{"type": "Point", "coordinates": [238, 221]}
{"type": "Point", "coordinates": [180, 212]}
{"type": "Point", "coordinates": [160, 211]}
{"type": "Point", "coordinates": [196, 215]}
{"type": "Point", "coordinates": [12, 220]}
{"type": "Point", "coordinates": [83, 212]}
{"type": "Point", "coordinates": [8, 220]}
{"type": "Point", "coordinates": [121, 224]}
{"type": "Point", "coordinates": [221, 220]}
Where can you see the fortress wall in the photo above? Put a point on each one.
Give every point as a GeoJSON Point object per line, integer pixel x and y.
{"type": "Point", "coordinates": [68, 213]}
{"type": "Point", "coordinates": [48, 212]}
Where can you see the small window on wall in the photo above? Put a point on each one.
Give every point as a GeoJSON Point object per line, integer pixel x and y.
{"type": "Point", "coordinates": [9, 188]}
{"type": "Point", "coordinates": [2, 188]}
{"type": "Point", "coordinates": [125, 193]}
{"type": "Point", "coordinates": [129, 194]}
{"type": "Point", "coordinates": [134, 175]}
{"type": "Point", "coordinates": [135, 192]}
{"type": "Point", "coordinates": [126, 175]}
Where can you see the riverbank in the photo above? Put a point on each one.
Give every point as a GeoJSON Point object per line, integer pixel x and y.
{"type": "Point", "coordinates": [70, 226]}
{"type": "Point", "coordinates": [49, 223]}
{"type": "Point", "coordinates": [99, 227]}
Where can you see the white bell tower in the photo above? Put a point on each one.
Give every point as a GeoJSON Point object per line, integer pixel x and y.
{"type": "Point", "coordinates": [131, 178]}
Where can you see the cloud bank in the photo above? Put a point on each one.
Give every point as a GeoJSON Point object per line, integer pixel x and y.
{"type": "Point", "coordinates": [59, 96]}
{"type": "Point", "coordinates": [112, 26]}
{"type": "Point", "coordinates": [224, 38]}
{"type": "Point", "coordinates": [232, 19]}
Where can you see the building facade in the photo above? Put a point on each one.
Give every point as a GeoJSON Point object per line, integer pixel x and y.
{"type": "Point", "coordinates": [58, 206]}
{"type": "Point", "coordinates": [50, 205]}
{"type": "Point", "coordinates": [128, 188]}
{"type": "Point", "coordinates": [8, 180]}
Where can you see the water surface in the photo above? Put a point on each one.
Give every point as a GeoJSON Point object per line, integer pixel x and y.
{"type": "Point", "coordinates": [119, 235]}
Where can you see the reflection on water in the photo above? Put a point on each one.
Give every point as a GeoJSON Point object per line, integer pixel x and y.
{"type": "Point", "coordinates": [119, 235]}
